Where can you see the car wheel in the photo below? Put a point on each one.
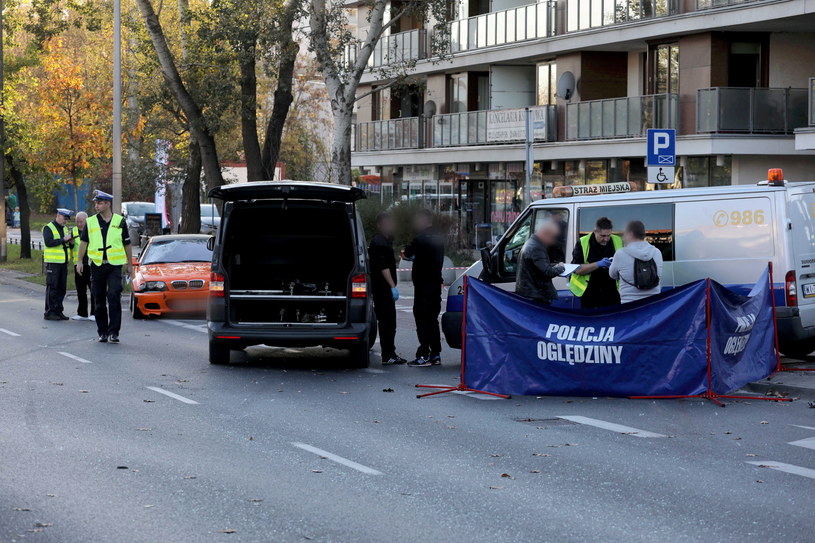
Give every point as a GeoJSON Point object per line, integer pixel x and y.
{"type": "Point", "coordinates": [135, 312]}
{"type": "Point", "coordinates": [797, 349]}
{"type": "Point", "coordinates": [218, 354]}
{"type": "Point", "coordinates": [360, 355]}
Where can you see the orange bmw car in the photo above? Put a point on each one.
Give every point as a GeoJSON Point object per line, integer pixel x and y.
{"type": "Point", "coordinates": [171, 276]}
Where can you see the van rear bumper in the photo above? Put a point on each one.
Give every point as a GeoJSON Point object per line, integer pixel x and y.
{"type": "Point", "coordinates": [239, 337]}
{"type": "Point", "coordinates": [789, 325]}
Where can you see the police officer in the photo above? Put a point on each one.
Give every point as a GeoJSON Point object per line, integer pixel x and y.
{"type": "Point", "coordinates": [56, 254]}
{"type": "Point", "coordinates": [591, 282]}
{"type": "Point", "coordinates": [106, 242]}
{"type": "Point", "coordinates": [383, 280]}
{"type": "Point", "coordinates": [82, 280]}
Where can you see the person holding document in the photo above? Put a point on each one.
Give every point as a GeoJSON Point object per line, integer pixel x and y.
{"type": "Point", "coordinates": [535, 271]}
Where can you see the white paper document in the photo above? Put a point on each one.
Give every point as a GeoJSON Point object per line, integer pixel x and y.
{"type": "Point", "coordinates": [569, 268]}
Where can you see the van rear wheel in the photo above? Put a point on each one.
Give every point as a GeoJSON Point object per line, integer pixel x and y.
{"type": "Point", "coordinates": [218, 354]}
{"type": "Point", "coordinates": [360, 355]}
{"type": "Point", "coordinates": [797, 349]}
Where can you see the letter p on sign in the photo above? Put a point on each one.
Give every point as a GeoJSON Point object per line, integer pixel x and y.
{"type": "Point", "coordinates": [661, 147]}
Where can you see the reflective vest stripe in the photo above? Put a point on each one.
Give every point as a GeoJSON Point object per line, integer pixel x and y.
{"type": "Point", "coordinates": [579, 283]}
{"type": "Point", "coordinates": [116, 254]}
{"type": "Point", "coordinates": [55, 254]}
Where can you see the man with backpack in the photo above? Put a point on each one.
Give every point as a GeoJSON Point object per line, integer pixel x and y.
{"type": "Point", "coordinates": [638, 265]}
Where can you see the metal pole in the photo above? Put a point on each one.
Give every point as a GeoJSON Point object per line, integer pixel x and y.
{"type": "Point", "coordinates": [117, 107]}
{"type": "Point", "coordinates": [530, 137]}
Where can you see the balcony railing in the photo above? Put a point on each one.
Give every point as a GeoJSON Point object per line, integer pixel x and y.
{"type": "Point", "coordinates": [508, 26]}
{"type": "Point", "coordinates": [620, 117]}
{"type": "Point", "coordinates": [584, 14]}
{"type": "Point", "coordinates": [740, 110]}
{"type": "Point", "coordinates": [388, 135]}
{"type": "Point", "coordinates": [493, 126]}
{"type": "Point", "coordinates": [711, 4]}
{"type": "Point", "coordinates": [812, 101]}
{"type": "Point", "coordinates": [393, 49]}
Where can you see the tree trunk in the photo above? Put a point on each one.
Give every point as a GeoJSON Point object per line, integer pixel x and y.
{"type": "Point", "coordinates": [249, 115]}
{"type": "Point", "coordinates": [198, 127]}
{"type": "Point", "coordinates": [191, 192]}
{"type": "Point", "coordinates": [341, 144]}
{"type": "Point", "coordinates": [283, 96]}
{"type": "Point", "coordinates": [25, 212]}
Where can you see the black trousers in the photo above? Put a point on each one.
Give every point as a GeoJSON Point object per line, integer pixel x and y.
{"type": "Point", "coordinates": [385, 309]}
{"type": "Point", "coordinates": [106, 290]}
{"type": "Point", "coordinates": [426, 309]}
{"type": "Point", "coordinates": [83, 284]}
{"type": "Point", "coordinates": [56, 283]}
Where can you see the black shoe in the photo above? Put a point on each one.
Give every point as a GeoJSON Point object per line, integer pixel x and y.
{"type": "Point", "coordinates": [114, 338]}
{"type": "Point", "coordinates": [103, 338]}
{"type": "Point", "coordinates": [50, 317]}
{"type": "Point", "coordinates": [420, 362]}
{"type": "Point", "coordinates": [435, 360]}
{"type": "Point", "coordinates": [63, 317]}
{"type": "Point", "coordinates": [393, 360]}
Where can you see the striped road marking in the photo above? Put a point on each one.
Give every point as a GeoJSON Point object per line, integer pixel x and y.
{"type": "Point", "coordinates": [338, 459]}
{"type": "Point", "coordinates": [72, 357]}
{"type": "Point", "coordinates": [619, 428]}
{"type": "Point", "coordinates": [9, 332]}
{"type": "Point", "coordinates": [196, 327]}
{"type": "Point", "coordinates": [808, 443]}
{"type": "Point", "coordinates": [786, 468]}
{"type": "Point", "coordinates": [173, 395]}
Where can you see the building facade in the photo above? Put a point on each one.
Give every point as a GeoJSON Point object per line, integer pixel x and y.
{"type": "Point", "coordinates": [732, 77]}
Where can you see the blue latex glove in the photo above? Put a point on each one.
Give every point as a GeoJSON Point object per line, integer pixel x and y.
{"type": "Point", "coordinates": [605, 263]}
{"type": "Point", "coordinates": [395, 293]}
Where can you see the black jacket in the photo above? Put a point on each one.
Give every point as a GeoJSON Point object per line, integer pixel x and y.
{"type": "Point", "coordinates": [380, 255]}
{"type": "Point", "coordinates": [535, 272]}
{"type": "Point", "coordinates": [427, 250]}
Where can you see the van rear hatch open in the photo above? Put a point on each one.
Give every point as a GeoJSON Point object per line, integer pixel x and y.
{"type": "Point", "coordinates": [263, 190]}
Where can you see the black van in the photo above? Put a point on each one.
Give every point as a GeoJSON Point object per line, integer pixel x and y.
{"type": "Point", "coordinates": [289, 268]}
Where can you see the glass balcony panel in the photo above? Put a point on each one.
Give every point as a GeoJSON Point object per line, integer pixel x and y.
{"type": "Point", "coordinates": [620, 117]}
{"type": "Point", "coordinates": [608, 107]}
{"type": "Point", "coordinates": [542, 12]}
{"type": "Point", "coordinates": [572, 114]}
{"type": "Point", "coordinates": [490, 29]}
{"type": "Point", "coordinates": [512, 35]}
{"type": "Point", "coordinates": [797, 109]}
{"type": "Point", "coordinates": [481, 31]}
{"type": "Point", "coordinates": [609, 12]}
{"type": "Point", "coordinates": [501, 28]}
{"type": "Point", "coordinates": [584, 120]}
{"type": "Point", "coordinates": [520, 24]}
{"type": "Point", "coordinates": [572, 15]}
{"type": "Point", "coordinates": [531, 20]}
{"type": "Point", "coordinates": [596, 13]}
{"type": "Point", "coordinates": [734, 111]}
{"type": "Point", "coordinates": [585, 14]}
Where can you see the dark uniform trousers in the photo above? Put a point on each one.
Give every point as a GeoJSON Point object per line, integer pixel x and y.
{"type": "Point", "coordinates": [426, 309]}
{"type": "Point", "coordinates": [83, 284]}
{"type": "Point", "coordinates": [385, 309]}
{"type": "Point", "coordinates": [56, 284]}
{"type": "Point", "coordinates": [106, 291]}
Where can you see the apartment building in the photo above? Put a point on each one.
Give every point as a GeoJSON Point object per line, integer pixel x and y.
{"type": "Point", "coordinates": [732, 77]}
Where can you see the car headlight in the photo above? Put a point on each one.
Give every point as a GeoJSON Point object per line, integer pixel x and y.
{"type": "Point", "coordinates": [154, 285]}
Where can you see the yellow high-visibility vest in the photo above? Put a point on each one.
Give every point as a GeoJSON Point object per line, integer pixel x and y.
{"type": "Point", "coordinates": [115, 249]}
{"type": "Point", "coordinates": [75, 248]}
{"type": "Point", "coordinates": [579, 283]}
{"type": "Point", "coordinates": [55, 254]}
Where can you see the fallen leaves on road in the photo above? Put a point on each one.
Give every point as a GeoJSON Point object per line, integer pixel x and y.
{"type": "Point", "coordinates": [51, 495]}
{"type": "Point", "coordinates": [766, 466]}
{"type": "Point", "coordinates": [451, 427]}
{"type": "Point", "coordinates": [149, 506]}
{"type": "Point", "coordinates": [122, 467]}
{"type": "Point", "coordinates": [143, 429]}
{"type": "Point", "coordinates": [227, 531]}
{"type": "Point", "coordinates": [190, 477]}
{"type": "Point", "coordinates": [316, 471]}
{"type": "Point", "coordinates": [149, 401]}
{"type": "Point", "coordinates": [811, 405]}
{"type": "Point", "coordinates": [496, 487]}
{"type": "Point", "coordinates": [22, 509]}
{"type": "Point", "coordinates": [728, 433]}
{"type": "Point", "coordinates": [83, 391]}
{"type": "Point", "coordinates": [387, 390]}
{"type": "Point", "coordinates": [507, 476]}
{"type": "Point", "coordinates": [750, 454]}
{"type": "Point", "coordinates": [255, 500]}
{"type": "Point", "coordinates": [764, 422]}
{"type": "Point", "coordinates": [377, 421]}
{"type": "Point", "coordinates": [42, 524]}
{"type": "Point", "coordinates": [57, 384]}
{"type": "Point", "coordinates": [759, 481]}
{"type": "Point", "coordinates": [541, 454]}
{"type": "Point", "coordinates": [251, 438]}
{"type": "Point", "coordinates": [535, 471]}
{"type": "Point", "coordinates": [496, 455]}
{"type": "Point", "coordinates": [564, 445]}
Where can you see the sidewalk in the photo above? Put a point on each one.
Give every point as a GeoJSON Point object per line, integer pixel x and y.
{"type": "Point", "coordinates": [792, 384]}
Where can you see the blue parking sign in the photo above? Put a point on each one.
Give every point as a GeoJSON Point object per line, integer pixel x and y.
{"type": "Point", "coordinates": [661, 147]}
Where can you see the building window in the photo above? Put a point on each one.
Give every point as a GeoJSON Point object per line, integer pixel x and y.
{"type": "Point", "coordinates": [702, 171]}
{"type": "Point", "coordinates": [664, 67]}
{"type": "Point", "coordinates": [547, 83]}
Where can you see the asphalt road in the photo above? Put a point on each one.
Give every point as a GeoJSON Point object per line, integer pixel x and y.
{"type": "Point", "coordinates": [145, 441]}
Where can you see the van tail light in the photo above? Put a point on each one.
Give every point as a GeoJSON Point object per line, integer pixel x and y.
{"type": "Point", "coordinates": [216, 285]}
{"type": "Point", "coordinates": [791, 289]}
{"type": "Point", "coordinates": [359, 286]}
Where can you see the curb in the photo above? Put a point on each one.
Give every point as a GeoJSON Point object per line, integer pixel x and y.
{"type": "Point", "coordinates": [7, 279]}
{"type": "Point", "coordinates": [802, 385]}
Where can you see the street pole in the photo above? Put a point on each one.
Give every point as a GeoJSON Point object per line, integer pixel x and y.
{"type": "Point", "coordinates": [117, 107]}
{"type": "Point", "coordinates": [3, 210]}
{"type": "Point", "coordinates": [530, 137]}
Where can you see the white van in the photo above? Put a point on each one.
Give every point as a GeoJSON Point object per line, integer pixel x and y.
{"type": "Point", "coordinates": [725, 233]}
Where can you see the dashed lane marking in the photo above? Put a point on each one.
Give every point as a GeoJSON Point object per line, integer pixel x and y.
{"type": "Point", "coordinates": [338, 459]}
{"type": "Point", "coordinates": [196, 327]}
{"type": "Point", "coordinates": [786, 468]}
{"type": "Point", "coordinates": [619, 428]}
{"type": "Point", "coordinates": [73, 357]}
{"type": "Point", "coordinates": [173, 395]}
{"type": "Point", "coordinates": [9, 332]}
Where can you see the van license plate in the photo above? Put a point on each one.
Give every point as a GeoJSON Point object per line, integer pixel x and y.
{"type": "Point", "coordinates": [809, 290]}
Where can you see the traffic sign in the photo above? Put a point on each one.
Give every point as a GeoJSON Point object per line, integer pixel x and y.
{"type": "Point", "coordinates": [659, 174]}
{"type": "Point", "coordinates": [661, 147]}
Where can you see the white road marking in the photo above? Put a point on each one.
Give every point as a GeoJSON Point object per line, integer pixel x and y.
{"type": "Point", "coordinates": [9, 332]}
{"type": "Point", "coordinates": [72, 357]}
{"type": "Point", "coordinates": [786, 468]}
{"type": "Point", "coordinates": [13, 300]}
{"type": "Point", "coordinates": [808, 443]}
{"type": "Point", "coordinates": [619, 428]}
{"type": "Point", "coordinates": [804, 427]}
{"type": "Point", "coordinates": [338, 459]}
{"type": "Point", "coordinates": [197, 328]}
{"type": "Point", "coordinates": [373, 370]}
{"type": "Point", "coordinates": [173, 395]}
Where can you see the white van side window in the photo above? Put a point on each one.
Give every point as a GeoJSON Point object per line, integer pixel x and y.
{"type": "Point", "coordinates": [725, 229]}
{"type": "Point", "coordinates": [657, 217]}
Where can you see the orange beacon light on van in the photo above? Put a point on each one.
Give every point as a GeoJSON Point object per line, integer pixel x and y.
{"type": "Point", "coordinates": [775, 177]}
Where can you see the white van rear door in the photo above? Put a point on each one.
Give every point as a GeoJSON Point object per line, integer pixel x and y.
{"type": "Point", "coordinates": [802, 215]}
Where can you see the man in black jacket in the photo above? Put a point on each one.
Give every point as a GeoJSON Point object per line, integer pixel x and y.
{"type": "Point", "coordinates": [385, 293]}
{"type": "Point", "coordinates": [427, 253]}
{"type": "Point", "coordinates": [535, 271]}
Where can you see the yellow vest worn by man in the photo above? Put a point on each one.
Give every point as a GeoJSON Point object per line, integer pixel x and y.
{"type": "Point", "coordinates": [55, 254]}
{"type": "Point", "coordinates": [579, 283]}
{"type": "Point", "coordinates": [116, 255]}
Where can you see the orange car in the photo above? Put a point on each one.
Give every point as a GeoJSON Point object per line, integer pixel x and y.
{"type": "Point", "coordinates": [171, 276]}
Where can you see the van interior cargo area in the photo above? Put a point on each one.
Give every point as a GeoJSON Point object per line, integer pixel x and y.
{"type": "Point", "coordinates": [289, 262]}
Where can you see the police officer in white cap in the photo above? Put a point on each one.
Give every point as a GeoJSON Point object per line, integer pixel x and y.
{"type": "Point", "coordinates": [106, 242]}
{"type": "Point", "coordinates": [56, 254]}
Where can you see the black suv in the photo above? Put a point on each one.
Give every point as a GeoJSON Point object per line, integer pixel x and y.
{"type": "Point", "coordinates": [289, 268]}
